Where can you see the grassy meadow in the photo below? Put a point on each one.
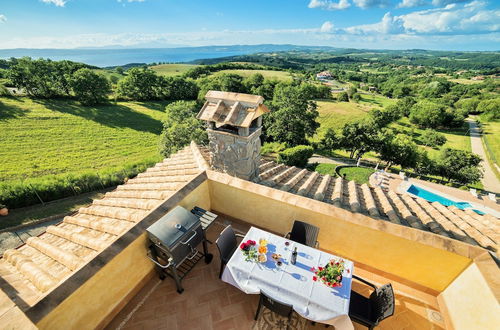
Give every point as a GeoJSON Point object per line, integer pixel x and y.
{"type": "Point", "coordinates": [268, 74]}
{"type": "Point", "coordinates": [491, 140]}
{"type": "Point", "coordinates": [457, 138]}
{"type": "Point", "coordinates": [336, 114]}
{"type": "Point", "coordinates": [175, 69]}
{"type": "Point", "coordinates": [51, 137]}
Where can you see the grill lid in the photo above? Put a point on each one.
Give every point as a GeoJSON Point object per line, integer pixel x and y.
{"type": "Point", "coordinates": [173, 226]}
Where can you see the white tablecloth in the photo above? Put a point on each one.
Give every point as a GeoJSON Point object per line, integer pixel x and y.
{"type": "Point", "coordinates": [293, 284]}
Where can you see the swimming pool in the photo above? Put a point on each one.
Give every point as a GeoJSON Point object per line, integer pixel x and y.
{"type": "Point", "coordinates": [432, 197]}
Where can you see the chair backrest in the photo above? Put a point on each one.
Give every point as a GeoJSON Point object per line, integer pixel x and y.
{"type": "Point", "coordinates": [304, 233]}
{"type": "Point", "coordinates": [382, 302]}
{"type": "Point", "coordinates": [226, 243]}
{"type": "Point", "coordinates": [275, 305]}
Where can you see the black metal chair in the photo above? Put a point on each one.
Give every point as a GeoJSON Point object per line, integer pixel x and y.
{"type": "Point", "coordinates": [371, 311]}
{"type": "Point", "coordinates": [275, 306]}
{"type": "Point", "coordinates": [304, 233]}
{"type": "Point", "coordinates": [227, 244]}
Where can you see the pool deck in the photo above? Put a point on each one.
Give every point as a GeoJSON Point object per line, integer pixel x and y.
{"type": "Point", "coordinates": [394, 181]}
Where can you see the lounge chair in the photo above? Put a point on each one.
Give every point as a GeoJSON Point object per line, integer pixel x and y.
{"type": "Point", "coordinates": [492, 197]}
{"type": "Point", "coordinates": [473, 192]}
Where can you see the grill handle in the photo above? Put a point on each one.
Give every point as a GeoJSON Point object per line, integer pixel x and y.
{"type": "Point", "coordinates": [170, 262]}
{"type": "Point", "coordinates": [190, 238]}
{"type": "Point", "coordinates": [194, 253]}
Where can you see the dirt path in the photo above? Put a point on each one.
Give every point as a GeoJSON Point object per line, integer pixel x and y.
{"type": "Point", "coordinates": [490, 181]}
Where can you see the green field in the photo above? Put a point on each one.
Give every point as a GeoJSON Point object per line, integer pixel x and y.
{"type": "Point", "coordinates": [457, 138]}
{"type": "Point", "coordinates": [268, 74]}
{"type": "Point", "coordinates": [172, 69]}
{"type": "Point", "coordinates": [491, 139]}
{"type": "Point", "coordinates": [336, 114]}
{"type": "Point", "coordinates": [359, 174]}
{"type": "Point", "coordinates": [50, 137]}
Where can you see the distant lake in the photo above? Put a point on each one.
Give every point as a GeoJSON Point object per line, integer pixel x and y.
{"type": "Point", "coordinates": [113, 57]}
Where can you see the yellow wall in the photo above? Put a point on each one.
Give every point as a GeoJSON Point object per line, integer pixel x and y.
{"type": "Point", "coordinates": [421, 264]}
{"type": "Point", "coordinates": [92, 303]}
{"type": "Point", "coordinates": [470, 303]}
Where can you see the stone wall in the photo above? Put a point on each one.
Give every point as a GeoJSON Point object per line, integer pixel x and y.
{"type": "Point", "coordinates": [235, 155]}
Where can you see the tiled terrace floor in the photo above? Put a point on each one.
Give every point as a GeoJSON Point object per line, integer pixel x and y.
{"type": "Point", "coordinates": [209, 303]}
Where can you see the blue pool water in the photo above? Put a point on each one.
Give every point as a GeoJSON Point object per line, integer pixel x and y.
{"type": "Point", "coordinates": [431, 197]}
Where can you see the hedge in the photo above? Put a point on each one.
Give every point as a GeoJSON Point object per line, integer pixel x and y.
{"type": "Point", "coordinates": [49, 188]}
{"type": "Point", "coordinates": [296, 156]}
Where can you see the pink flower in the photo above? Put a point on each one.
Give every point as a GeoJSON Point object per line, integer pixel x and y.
{"type": "Point", "coordinates": [320, 268]}
{"type": "Point", "coordinates": [315, 278]}
{"type": "Point", "coordinates": [313, 269]}
{"type": "Point", "coordinates": [338, 278]}
{"type": "Point", "coordinates": [250, 242]}
{"type": "Point", "coordinates": [244, 246]}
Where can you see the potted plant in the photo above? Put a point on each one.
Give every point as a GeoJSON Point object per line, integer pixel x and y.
{"type": "Point", "coordinates": [330, 274]}
{"type": "Point", "coordinates": [3, 210]}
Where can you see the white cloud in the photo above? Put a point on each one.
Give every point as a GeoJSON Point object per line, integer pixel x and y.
{"type": "Point", "coordinates": [471, 18]}
{"type": "Point", "coordinates": [326, 27]}
{"type": "Point", "coordinates": [447, 2]}
{"type": "Point", "coordinates": [329, 5]}
{"type": "Point", "coordinates": [131, 0]}
{"type": "Point", "coordinates": [371, 3]}
{"type": "Point", "coordinates": [58, 3]}
{"type": "Point", "coordinates": [3, 18]}
{"type": "Point", "coordinates": [411, 3]}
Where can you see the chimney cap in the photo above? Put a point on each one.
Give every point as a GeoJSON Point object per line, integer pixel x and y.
{"type": "Point", "coordinates": [236, 109]}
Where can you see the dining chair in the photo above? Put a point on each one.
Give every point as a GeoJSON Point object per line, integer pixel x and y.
{"type": "Point", "coordinates": [226, 244]}
{"type": "Point", "coordinates": [304, 233]}
{"type": "Point", "coordinates": [371, 311]}
{"type": "Point", "coordinates": [275, 306]}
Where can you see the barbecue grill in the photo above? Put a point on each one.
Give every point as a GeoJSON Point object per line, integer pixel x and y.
{"type": "Point", "coordinates": [174, 240]}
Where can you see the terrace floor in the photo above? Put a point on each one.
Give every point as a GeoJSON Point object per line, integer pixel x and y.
{"type": "Point", "coordinates": [209, 303]}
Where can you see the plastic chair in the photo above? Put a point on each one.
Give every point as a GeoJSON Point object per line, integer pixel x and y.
{"type": "Point", "coordinates": [371, 311]}
{"type": "Point", "coordinates": [227, 244]}
{"type": "Point", "coordinates": [304, 233]}
{"type": "Point", "coordinates": [275, 306]}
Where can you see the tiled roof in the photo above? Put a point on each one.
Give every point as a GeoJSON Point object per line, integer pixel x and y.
{"type": "Point", "coordinates": [386, 205]}
{"type": "Point", "coordinates": [37, 267]}
{"type": "Point", "coordinates": [44, 262]}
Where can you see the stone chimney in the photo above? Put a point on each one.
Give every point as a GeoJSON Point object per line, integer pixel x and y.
{"type": "Point", "coordinates": [234, 128]}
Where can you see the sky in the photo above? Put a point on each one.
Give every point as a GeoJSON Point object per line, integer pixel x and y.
{"type": "Point", "coordinates": [375, 24]}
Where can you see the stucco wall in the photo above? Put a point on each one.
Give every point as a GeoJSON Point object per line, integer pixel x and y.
{"type": "Point", "coordinates": [94, 302]}
{"type": "Point", "coordinates": [274, 210]}
{"type": "Point", "coordinates": [469, 302]}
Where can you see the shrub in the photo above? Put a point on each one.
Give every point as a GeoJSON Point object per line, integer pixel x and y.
{"type": "Point", "coordinates": [296, 156]}
{"type": "Point", "coordinates": [432, 138]}
{"type": "Point", "coordinates": [464, 188]}
{"type": "Point", "coordinates": [343, 97]}
{"type": "Point", "coordinates": [272, 147]}
{"type": "Point", "coordinates": [28, 192]}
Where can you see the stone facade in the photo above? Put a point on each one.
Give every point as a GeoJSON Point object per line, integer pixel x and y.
{"type": "Point", "coordinates": [235, 155]}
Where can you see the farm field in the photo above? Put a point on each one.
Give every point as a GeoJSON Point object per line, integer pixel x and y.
{"type": "Point", "coordinates": [457, 138]}
{"type": "Point", "coordinates": [51, 137]}
{"type": "Point", "coordinates": [336, 114]}
{"type": "Point", "coordinates": [172, 69]}
{"type": "Point", "coordinates": [269, 74]}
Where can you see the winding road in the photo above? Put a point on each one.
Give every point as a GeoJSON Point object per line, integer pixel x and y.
{"type": "Point", "coordinates": [490, 181]}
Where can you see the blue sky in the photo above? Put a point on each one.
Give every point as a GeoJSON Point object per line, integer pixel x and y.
{"type": "Point", "coordinates": [393, 24]}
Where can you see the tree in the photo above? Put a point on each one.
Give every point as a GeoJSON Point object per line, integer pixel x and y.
{"type": "Point", "coordinates": [405, 104]}
{"type": "Point", "coordinates": [331, 140]}
{"type": "Point", "coordinates": [432, 138]}
{"type": "Point", "coordinates": [178, 88]}
{"type": "Point", "coordinates": [119, 70]}
{"type": "Point", "coordinates": [253, 82]}
{"type": "Point", "coordinates": [140, 84]}
{"type": "Point", "coordinates": [293, 116]}
{"type": "Point", "coordinates": [358, 137]}
{"type": "Point", "coordinates": [181, 127]}
{"type": "Point", "coordinates": [90, 88]}
{"type": "Point", "coordinates": [343, 97]}
{"type": "Point", "coordinates": [459, 165]}
{"type": "Point", "coordinates": [356, 97]}
{"type": "Point", "coordinates": [399, 149]}
{"type": "Point", "coordinates": [490, 108]}
{"type": "Point", "coordinates": [468, 105]}
{"type": "Point", "coordinates": [428, 114]}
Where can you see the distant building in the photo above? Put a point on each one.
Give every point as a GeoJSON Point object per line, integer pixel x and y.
{"type": "Point", "coordinates": [324, 75]}
{"type": "Point", "coordinates": [372, 89]}
{"type": "Point", "coordinates": [477, 78]}
{"type": "Point", "coordinates": [461, 72]}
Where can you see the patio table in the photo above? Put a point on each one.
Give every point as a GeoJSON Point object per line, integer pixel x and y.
{"type": "Point", "coordinates": [293, 284]}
